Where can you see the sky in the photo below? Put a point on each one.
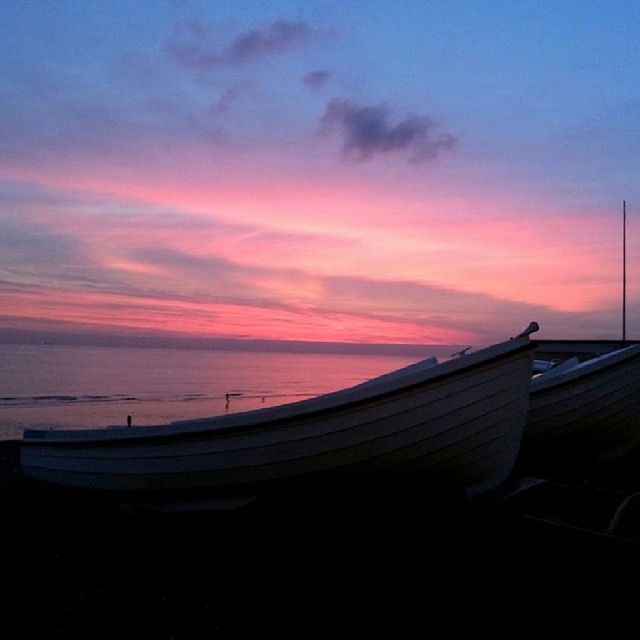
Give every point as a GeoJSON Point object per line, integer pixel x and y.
{"type": "Point", "coordinates": [391, 171]}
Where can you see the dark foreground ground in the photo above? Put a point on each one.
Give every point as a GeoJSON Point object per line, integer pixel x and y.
{"type": "Point", "coordinates": [69, 569]}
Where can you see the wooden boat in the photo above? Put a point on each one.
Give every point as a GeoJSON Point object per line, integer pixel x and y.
{"type": "Point", "coordinates": [451, 427]}
{"type": "Point", "coordinates": [585, 406]}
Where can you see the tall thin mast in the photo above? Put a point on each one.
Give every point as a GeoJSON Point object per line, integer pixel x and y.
{"type": "Point", "coordinates": [624, 270]}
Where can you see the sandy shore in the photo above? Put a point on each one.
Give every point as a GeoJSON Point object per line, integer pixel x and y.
{"type": "Point", "coordinates": [77, 570]}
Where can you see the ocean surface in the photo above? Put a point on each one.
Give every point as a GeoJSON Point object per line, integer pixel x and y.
{"type": "Point", "coordinates": [45, 386]}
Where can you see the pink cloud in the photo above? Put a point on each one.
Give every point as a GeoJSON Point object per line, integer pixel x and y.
{"type": "Point", "coordinates": [42, 307]}
{"type": "Point", "coordinates": [278, 245]}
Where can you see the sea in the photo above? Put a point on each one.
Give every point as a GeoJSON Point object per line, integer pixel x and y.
{"type": "Point", "coordinates": [78, 387]}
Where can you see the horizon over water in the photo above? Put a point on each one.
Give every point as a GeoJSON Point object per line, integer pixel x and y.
{"type": "Point", "coordinates": [81, 386]}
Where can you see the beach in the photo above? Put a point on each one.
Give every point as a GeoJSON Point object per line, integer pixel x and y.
{"type": "Point", "coordinates": [79, 568]}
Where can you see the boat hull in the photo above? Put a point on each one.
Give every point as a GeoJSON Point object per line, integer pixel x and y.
{"type": "Point", "coordinates": [588, 413]}
{"type": "Point", "coordinates": [455, 428]}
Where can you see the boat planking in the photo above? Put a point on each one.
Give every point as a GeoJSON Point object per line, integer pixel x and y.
{"type": "Point", "coordinates": [586, 408]}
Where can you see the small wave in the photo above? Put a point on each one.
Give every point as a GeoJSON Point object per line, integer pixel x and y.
{"type": "Point", "coordinates": [269, 396]}
{"type": "Point", "coordinates": [58, 400]}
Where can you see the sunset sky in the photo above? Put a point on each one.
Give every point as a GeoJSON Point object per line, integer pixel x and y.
{"type": "Point", "coordinates": [375, 172]}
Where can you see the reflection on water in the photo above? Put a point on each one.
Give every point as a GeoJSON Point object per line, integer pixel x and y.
{"type": "Point", "coordinates": [80, 387]}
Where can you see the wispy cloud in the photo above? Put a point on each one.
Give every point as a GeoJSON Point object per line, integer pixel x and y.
{"type": "Point", "coordinates": [27, 247]}
{"type": "Point", "coordinates": [193, 45]}
{"type": "Point", "coordinates": [278, 37]}
{"type": "Point", "coordinates": [47, 120]}
{"type": "Point", "coordinates": [351, 309]}
{"type": "Point", "coordinates": [93, 265]}
{"type": "Point", "coordinates": [368, 130]}
{"type": "Point", "coordinates": [316, 79]}
{"type": "Point", "coordinates": [230, 96]}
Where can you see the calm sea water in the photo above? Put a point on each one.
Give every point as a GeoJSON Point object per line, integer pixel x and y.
{"type": "Point", "coordinates": [90, 387]}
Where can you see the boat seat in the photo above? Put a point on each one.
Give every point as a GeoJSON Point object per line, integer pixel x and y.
{"type": "Point", "coordinates": [563, 367]}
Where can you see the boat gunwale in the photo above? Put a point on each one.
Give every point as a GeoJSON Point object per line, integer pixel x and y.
{"type": "Point", "coordinates": [585, 369]}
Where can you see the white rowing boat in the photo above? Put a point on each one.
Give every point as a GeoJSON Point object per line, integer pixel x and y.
{"type": "Point", "coordinates": [454, 426]}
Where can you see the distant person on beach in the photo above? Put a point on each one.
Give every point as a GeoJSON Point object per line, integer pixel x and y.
{"type": "Point", "coordinates": [128, 421]}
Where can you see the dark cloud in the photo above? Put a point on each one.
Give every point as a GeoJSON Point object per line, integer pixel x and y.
{"type": "Point", "coordinates": [367, 130]}
{"type": "Point", "coordinates": [224, 103]}
{"type": "Point", "coordinates": [316, 79]}
{"type": "Point", "coordinates": [190, 45]}
{"type": "Point", "coordinates": [278, 37]}
{"type": "Point", "coordinates": [193, 45]}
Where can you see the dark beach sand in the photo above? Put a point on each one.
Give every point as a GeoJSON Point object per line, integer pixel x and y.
{"type": "Point", "coordinates": [76, 570]}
